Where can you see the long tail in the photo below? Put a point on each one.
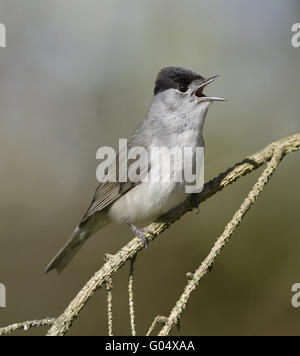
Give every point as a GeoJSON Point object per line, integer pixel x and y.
{"type": "Point", "coordinates": [77, 239]}
{"type": "Point", "coordinates": [64, 256]}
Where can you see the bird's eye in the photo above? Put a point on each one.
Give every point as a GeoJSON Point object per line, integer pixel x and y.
{"type": "Point", "coordinates": [183, 88]}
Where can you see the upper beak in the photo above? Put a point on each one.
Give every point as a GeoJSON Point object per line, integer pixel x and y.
{"type": "Point", "coordinates": [199, 91]}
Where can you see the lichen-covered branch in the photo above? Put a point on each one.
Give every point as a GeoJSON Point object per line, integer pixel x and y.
{"type": "Point", "coordinates": [63, 323]}
{"type": "Point", "coordinates": [158, 320]}
{"type": "Point", "coordinates": [109, 287]}
{"type": "Point", "coordinates": [26, 325]}
{"type": "Point", "coordinates": [247, 165]}
{"type": "Point", "coordinates": [130, 297]}
{"type": "Point", "coordinates": [221, 242]}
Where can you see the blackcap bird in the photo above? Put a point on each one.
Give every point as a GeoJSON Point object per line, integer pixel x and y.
{"type": "Point", "coordinates": [175, 119]}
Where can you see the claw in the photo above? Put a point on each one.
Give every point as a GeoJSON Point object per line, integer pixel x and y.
{"type": "Point", "coordinates": [195, 204]}
{"type": "Point", "coordinates": [140, 233]}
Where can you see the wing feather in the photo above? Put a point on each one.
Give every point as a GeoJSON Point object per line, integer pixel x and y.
{"type": "Point", "coordinates": [108, 192]}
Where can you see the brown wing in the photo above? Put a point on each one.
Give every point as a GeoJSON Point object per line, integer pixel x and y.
{"type": "Point", "coordinates": [107, 192]}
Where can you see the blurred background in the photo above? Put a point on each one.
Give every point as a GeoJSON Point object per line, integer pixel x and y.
{"type": "Point", "coordinates": [78, 75]}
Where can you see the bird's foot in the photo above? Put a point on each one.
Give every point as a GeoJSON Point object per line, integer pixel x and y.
{"type": "Point", "coordinates": [195, 203]}
{"type": "Point", "coordinates": [141, 233]}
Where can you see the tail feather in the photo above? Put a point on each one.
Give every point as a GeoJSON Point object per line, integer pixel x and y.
{"type": "Point", "coordinates": [65, 255]}
{"type": "Point", "coordinates": [77, 239]}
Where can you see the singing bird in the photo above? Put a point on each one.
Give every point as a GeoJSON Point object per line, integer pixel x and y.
{"type": "Point", "coordinates": [175, 119]}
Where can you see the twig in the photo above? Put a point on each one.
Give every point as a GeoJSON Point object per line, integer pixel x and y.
{"type": "Point", "coordinates": [130, 294]}
{"type": "Point", "coordinates": [26, 325]}
{"type": "Point", "coordinates": [221, 242]}
{"type": "Point", "coordinates": [109, 287]}
{"type": "Point", "coordinates": [65, 320]}
{"type": "Point", "coordinates": [159, 319]}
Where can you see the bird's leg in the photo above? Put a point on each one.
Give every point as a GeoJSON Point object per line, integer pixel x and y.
{"type": "Point", "coordinates": [140, 233]}
{"type": "Point", "coordinates": [195, 203]}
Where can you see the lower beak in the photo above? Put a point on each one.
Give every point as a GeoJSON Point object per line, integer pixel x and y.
{"type": "Point", "coordinates": [199, 91]}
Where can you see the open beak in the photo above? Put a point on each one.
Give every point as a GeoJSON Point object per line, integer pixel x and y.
{"type": "Point", "coordinates": [199, 91]}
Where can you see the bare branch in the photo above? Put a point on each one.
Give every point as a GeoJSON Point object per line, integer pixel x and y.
{"type": "Point", "coordinates": [26, 325]}
{"type": "Point", "coordinates": [109, 287]}
{"type": "Point", "coordinates": [130, 294]}
{"type": "Point", "coordinates": [159, 319]}
{"type": "Point", "coordinates": [221, 242]}
{"type": "Point", "coordinates": [249, 164]}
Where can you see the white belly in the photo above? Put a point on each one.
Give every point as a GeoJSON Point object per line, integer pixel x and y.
{"type": "Point", "coordinates": [147, 201]}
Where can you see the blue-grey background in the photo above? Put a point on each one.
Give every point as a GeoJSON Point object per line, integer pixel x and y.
{"type": "Point", "coordinates": [77, 75]}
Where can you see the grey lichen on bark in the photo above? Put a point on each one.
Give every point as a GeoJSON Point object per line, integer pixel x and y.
{"type": "Point", "coordinates": [270, 155]}
{"type": "Point", "coordinates": [221, 242]}
{"type": "Point", "coordinates": [26, 325]}
{"type": "Point", "coordinates": [247, 165]}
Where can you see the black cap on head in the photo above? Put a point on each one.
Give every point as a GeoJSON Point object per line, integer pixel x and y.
{"type": "Point", "coordinates": [174, 77]}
